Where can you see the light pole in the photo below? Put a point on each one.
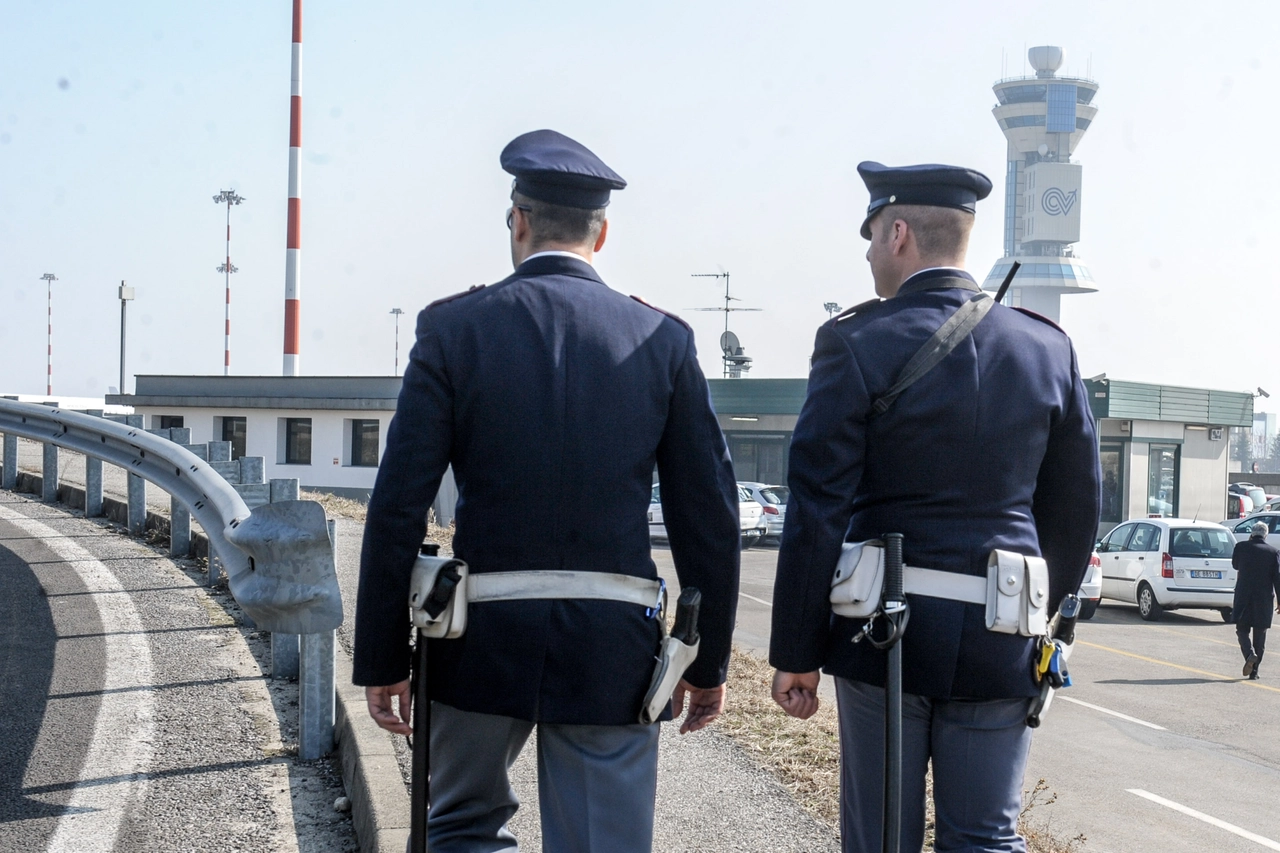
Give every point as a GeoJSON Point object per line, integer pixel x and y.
{"type": "Point", "coordinates": [227, 197]}
{"type": "Point", "coordinates": [126, 296]}
{"type": "Point", "coordinates": [397, 312]}
{"type": "Point", "coordinates": [832, 308]}
{"type": "Point", "coordinates": [49, 278]}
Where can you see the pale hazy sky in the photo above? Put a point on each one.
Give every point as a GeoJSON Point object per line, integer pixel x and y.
{"type": "Point", "coordinates": [737, 124]}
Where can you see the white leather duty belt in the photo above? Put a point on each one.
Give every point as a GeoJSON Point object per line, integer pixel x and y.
{"type": "Point", "coordinates": [606, 586]}
{"type": "Point", "coordinates": [443, 615]}
{"type": "Point", "coordinates": [971, 589]}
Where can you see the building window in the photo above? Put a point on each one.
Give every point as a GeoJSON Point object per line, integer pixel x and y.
{"type": "Point", "coordinates": [1162, 481]}
{"type": "Point", "coordinates": [759, 458]}
{"type": "Point", "coordinates": [169, 421]}
{"type": "Point", "coordinates": [364, 443]}
{"type": "Point", "coordinates": [297, 441]}
{"type": "Point", "coordinates": [234, 430]}
{"type": "Point", "coordinates": [1112, 459]}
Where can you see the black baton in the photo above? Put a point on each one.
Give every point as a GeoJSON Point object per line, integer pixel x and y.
{"type": "Point", "coordinates": [1008, 279]}
{"type": "Point", "coordinates": [894, 606]}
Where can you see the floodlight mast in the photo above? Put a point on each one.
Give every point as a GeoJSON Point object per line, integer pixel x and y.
{"type": "Point", "coordinates": [832, 308]}
{"type": "Point", "coordinates": [397, 312]}
{"type": "Point", "coordinates": [724, 274]}
{"type": "Point", "coordinates": [48, 279]}
{"type": "Point", "coordinates": [227, 197]}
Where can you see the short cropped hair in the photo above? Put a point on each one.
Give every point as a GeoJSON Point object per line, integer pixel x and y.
{"type": "Point", "coordinates": [941, 232]}
{"type": "Point", "coordinates": [555, 223]}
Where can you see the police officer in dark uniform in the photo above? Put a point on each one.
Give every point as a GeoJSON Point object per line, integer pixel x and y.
{"type": "Point", "coordinates": [1257, 565]}
{"type": "Point", "coordinates": [992, 448]}
{"type": "Point", "coordinates": [553, 397]}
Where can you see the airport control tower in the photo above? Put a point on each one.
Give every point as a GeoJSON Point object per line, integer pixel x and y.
{"type": "Point", "coordinates": [1044, 118]}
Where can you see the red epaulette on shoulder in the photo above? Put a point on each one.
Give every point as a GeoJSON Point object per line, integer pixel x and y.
{"type": "Point", "coordinates": [675, 317]}
{"type": "Point", "coordinates": [469, 290]}
{"type": "Point", "coordinates": [861, 307]}
{"type": "Point", "coordinates": [1041, 318]}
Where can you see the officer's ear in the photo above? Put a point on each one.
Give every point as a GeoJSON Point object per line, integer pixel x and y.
{"type": "Point", "coordinates": [604, 232]}
{"type": "Point", "coordinates": [899, 235]}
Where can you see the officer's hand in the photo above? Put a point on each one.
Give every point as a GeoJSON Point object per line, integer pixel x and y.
{"type": "Point", "coordinates": [797, 692]}
{"type": "Point", "coordinates": [705, 704]}
{"type": "Point", "coordinates": [379, 701]}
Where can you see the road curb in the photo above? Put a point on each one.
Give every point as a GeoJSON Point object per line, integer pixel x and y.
{"type": "Point", "coordinates": [370, 771]}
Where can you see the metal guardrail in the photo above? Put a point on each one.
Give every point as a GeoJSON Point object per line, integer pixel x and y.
{"type": "Point", "coordinates": [279, 558]}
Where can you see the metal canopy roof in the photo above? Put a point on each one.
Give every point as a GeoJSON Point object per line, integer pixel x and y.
{"type": "Point", "coordinates": [1139, 401]}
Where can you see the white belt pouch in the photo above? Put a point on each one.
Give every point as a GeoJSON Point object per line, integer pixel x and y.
{"type": "Point", "coordinates": [1015, 591]}
{"type": "Point", "coordinates": [1017, 594]}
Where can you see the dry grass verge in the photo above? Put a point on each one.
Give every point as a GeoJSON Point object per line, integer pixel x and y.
{"type": "Point", "coordinates": [805, 754]}
{"type": "Point", "coordinates": [358, 510]}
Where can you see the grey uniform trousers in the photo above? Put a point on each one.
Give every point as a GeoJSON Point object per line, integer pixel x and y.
{"type": "Point", "coordinates": [596, 784]}
{"type": "Point", "coordinates": [979, 753]}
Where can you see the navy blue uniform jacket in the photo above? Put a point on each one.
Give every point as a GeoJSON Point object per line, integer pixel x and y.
{"type": "Point", "coordinates": [553, 397]}
{"type": "Point", "coordinates": [1257, 566]}
{"type": "Point", "coordinates": [994, 448]}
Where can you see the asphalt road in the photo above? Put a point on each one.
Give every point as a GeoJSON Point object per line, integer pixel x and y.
{"type": "Point", "coordinates": [135, 716]}
{"type": "Point", "coordinates": [1159, 745]}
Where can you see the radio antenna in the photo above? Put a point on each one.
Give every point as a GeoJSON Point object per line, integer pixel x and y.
{"type": "Point", "coordinates": [724, 274]}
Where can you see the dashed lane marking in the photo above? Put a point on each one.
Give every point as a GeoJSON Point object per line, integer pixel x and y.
{"type": "Point", "coordinates": [123, 731]}
{"type": "Point", "coordinates": [1214, 675]}
{"type": "Point", "coordinates": [1112, 713]}
{"type": "Point", "coordinates": [1209, 819]}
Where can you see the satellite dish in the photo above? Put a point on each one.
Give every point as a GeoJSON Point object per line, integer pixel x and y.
{"type": "Point", "coordinates": [1043, 149]}
{"type": "Point", "coordinates": [729, 343]}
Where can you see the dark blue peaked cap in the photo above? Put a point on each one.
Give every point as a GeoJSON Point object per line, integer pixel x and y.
{"type": "Point", "coordinates": [551, 167]}
{"type": "Point", "coordinates": [929, 184]}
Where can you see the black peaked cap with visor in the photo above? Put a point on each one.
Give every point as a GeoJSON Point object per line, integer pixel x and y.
{"type": "Point", "coordinates": [551, 167]}
{"type": "Point", "coordinates": [930, 184]}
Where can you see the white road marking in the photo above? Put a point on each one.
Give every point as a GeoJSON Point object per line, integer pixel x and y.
{"type": "Point", "coordinates": [1113, 713]}
{"type": "Point", "coordinates": [1209, 819]}
{"type": "Point", "coordinates": [756, 600]}
{"type": "Point", "coordinates": [121, 746]}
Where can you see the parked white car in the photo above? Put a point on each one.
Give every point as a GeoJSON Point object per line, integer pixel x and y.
{"type": "Point", "coordinates": [750, 516]}
{"type": "Point", "coordinates": [1240, 527]}
{"type": "Point", "coordinates": [1169, 563]}
{"type": "Point", "coordinates": [773, 503]}
{"type": "Point", "coordinates": [1090, 593]}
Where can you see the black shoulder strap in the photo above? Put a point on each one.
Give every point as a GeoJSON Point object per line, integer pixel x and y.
{"type": "Point", "coordinates": [938, 347]}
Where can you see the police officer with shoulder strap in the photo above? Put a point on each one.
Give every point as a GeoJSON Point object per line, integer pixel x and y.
{"type": "Point", "coordinates": [985, 460]}
{"type": "Point", "coordinates": [553, 397]}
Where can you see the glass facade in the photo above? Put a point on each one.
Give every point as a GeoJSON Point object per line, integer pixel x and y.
{"type": "Point", "coordinates": [1065, 271]}
{"type": "Point", "coordinates": [1162, 481]}
{"type": "Point", "coordinates": [1029, 94]}
{"type": "Point", "coordinates": [1022, 121]}
{"type": "Point", "coordinates": [1011, 207]}
{"type": "Point", "coordinates": [1062, 108]}
{"type": "Point", "coordinates": [1112, 458]}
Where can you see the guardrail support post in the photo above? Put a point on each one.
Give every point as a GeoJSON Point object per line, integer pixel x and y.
{"type": "Point", "coordinates": [93, 480]}
{"type": "Point", "coordinates": [284, 656]}
{"type": "Point", "coordinates": [316, 696]}
{"type": "Point", "coordinates": [49, 474]}
{"type": "Point", "coordinates": [137, 489]}
{"type": "Point", "coordinates": [10, 478]}
{"type": "Point", "coordinates": [179, 528]}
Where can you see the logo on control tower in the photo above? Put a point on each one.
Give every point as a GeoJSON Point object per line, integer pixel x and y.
{"type": "Point", "coordinates": [1057, 203]}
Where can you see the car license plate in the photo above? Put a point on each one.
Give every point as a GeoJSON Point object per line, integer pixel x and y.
{"type": "Point", "coordinates": [1200, 573]}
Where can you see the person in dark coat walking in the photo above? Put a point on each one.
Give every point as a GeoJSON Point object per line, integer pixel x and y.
{"type": "Point", "coordinates": [553, 397]}
{"type": "Point", "coordinates": [1257, 566]}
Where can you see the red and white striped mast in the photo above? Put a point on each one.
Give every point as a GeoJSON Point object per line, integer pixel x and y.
{"type": "Point", "coordinates": [49, 278]}
{"type": "Point", "coordinates": [293, 239]}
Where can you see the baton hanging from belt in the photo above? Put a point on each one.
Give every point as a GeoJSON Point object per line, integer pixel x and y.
{"type": "Point", "coordinates": [432, 601]}
{"type": "Point", "coordinates": [894, 608]}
